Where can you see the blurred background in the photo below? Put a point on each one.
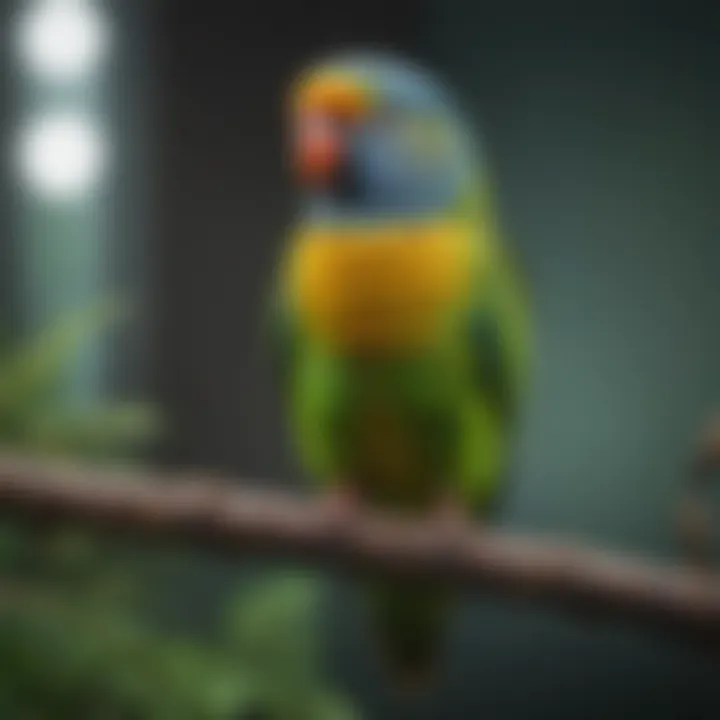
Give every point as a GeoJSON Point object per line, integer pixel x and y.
{"type": "Point", "coordinates": [145, 162]}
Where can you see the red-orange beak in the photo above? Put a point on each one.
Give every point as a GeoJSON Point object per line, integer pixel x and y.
{"type": "Point", "coordinates": [319, 148]}
{"type": "Point", "coordinates": [326, 106]}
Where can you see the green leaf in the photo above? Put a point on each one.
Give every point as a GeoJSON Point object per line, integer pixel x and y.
{"type": "Point", "coordinates": [99, 431]}
{"type": "Point", "coordinates": [227, 694]}
{"type": "Point", "coordinates": [274, 628]}
{"type": "Point", "coordinates": [333, 707]}
{"type": "Point", "coordinates": [273, 605]}
{"type": "Point", "coordinates": [35, 367]}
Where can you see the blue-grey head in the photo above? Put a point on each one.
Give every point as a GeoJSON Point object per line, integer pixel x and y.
{"type": "Point", "coordinates": [375, 136]}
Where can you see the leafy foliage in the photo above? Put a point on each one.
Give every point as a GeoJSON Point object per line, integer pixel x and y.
{"type": "Point", "coordinates": [33, 415]}
{"type": "Point", "coordinates": [273, 631]}
{"type": "Point", "coordinates": [73, 642]}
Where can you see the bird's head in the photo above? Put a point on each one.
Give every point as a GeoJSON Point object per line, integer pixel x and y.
{"type": "Point", "coordinates": [374, 136]}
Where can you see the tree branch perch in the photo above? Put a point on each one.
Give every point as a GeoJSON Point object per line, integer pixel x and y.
{"type": "Point", "coordinates": [244, 521]}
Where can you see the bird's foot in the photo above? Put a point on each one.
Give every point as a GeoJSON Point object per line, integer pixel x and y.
{"type": "Point", "coordinates": [454, 524]}
{"type": "Point", "coordinates": [339, 506]}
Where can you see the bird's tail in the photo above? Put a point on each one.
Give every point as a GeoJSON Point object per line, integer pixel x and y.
{"type": "Point", "coordinates": [409, 624]}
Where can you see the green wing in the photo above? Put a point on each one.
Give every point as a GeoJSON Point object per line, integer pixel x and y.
{"type": "Point", "coordinates": [497, 325]}
{"type": "Point", "coordinates": [497, 345]}
{"type": "Point", "coordinates": [302, 377]}
{"type": "Point", "coordinates": [498, 339]}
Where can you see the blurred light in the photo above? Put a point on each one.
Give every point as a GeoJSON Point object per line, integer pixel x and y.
{"type": "Point", "coordinates": [62, 40]}
{"type": "Point", "coordinates": [61, 157]}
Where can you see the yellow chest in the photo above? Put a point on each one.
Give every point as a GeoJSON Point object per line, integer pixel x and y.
{"type": "Point", "coordinates": [380, 287]}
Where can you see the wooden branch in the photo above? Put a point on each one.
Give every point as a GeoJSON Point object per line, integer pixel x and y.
{"type": "Point", "coordinates": [244, 521]}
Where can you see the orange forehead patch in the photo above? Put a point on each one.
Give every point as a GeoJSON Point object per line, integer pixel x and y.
{"type": "Point", "coordinates": [338, 94]}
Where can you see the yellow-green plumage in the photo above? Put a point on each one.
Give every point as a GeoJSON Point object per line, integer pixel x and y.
{"type": "Point", "coordinates": [403, 342]}
{"type": "Point", "coordinates": [435, 417]}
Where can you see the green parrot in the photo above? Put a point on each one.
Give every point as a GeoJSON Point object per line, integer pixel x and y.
{"type": "Point", "coordinates": [398, 318]}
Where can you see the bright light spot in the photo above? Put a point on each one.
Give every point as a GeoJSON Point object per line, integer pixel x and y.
{"type": "Point", "coordinates": [61, 157]}
{"type": "Point", "coordinates": [62, 40]}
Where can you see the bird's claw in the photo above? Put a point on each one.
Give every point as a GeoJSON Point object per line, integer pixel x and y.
{"type": "Point", "coordinates": [339, 507]}
{"type": "Point", "coordinates": [454, 525]}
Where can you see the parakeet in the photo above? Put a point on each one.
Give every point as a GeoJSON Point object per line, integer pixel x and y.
{"type": "Point", "coordinates": [398, 316]}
